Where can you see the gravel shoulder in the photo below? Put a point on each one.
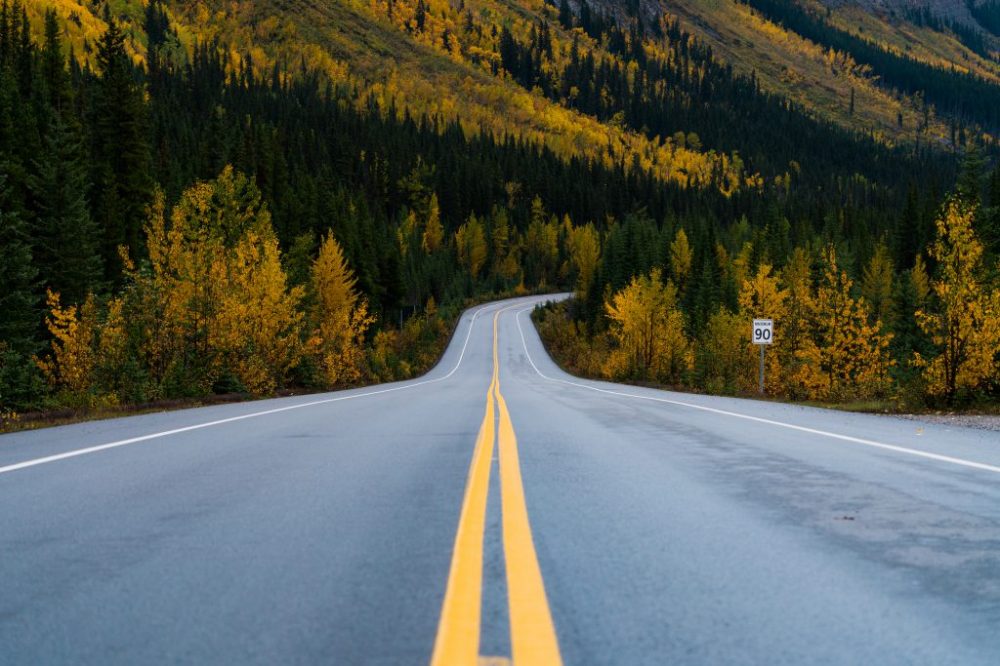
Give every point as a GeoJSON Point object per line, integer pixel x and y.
{"type": "Point", "coordinates": [978, 421]}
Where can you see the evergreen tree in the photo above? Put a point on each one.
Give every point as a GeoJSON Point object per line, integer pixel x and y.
{"type": "Point", "coordinates": [19, 301]}
{"type": "Point", "coordinates": [54, 74]}
{"type": "Point", "coordinates": [122, 176]}
{"type": "Point", "coordinates": [66, 236]}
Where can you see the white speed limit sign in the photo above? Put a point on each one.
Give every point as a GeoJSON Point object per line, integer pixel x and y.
{"type": "Point", "coordinates": [763, 331]}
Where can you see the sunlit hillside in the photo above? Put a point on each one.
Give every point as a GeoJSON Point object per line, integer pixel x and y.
{"type": "Point", "coordinates": [380, 50]}
{"type": "Point", "coordinates": [815, 77]}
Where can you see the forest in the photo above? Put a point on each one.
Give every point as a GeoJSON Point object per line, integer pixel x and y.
{"type": "Point", "coordinates": [967, 97]}
{"type": "Point", "coordinates": [179, 227]}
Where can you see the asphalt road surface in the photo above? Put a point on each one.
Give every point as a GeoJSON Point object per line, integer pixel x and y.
{"type": "Point", "coordinates": [498, 508]}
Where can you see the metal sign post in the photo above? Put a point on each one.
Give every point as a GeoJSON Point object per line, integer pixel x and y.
{"type": "Point", "coordinates": [763, 335]}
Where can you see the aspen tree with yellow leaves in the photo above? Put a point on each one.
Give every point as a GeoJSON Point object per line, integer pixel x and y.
{"type": "Point", "coordinates": [433, 234]}
{"type": "Point", "coordinates": [963, 319]}
{"type": "Point", "coordinates": [727, 363]}
{"type": "Point", "coordinates": [584, 246]}
{"type": "Point", "coordinates": [470, 246]}
{"type": "Point", "coordinates": [214, 301]}
{"type": "Point", "coordinates": [649, 329]}
{"type": "Point", "coordinates": [541, 246]}
{"type": "Point", "coordinates": [877, 282]}
{"type": "Point", "coordinates": [847, 358]}
{"type": "Point", "coordinates": [71, 366]}
{"type": "Point", "coordinates": [681, 257]}
{"type": "Point", "coordinates": [257, 326]}
{"type": "Point", "coordinates": [338, 317]}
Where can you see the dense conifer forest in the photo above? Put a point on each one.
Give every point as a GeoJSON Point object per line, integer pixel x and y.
{"type": "Point", "coordinates": [180, 226]}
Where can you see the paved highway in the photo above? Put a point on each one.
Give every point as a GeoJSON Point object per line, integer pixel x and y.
{"type": "Point", "coordinates": [498, 507]}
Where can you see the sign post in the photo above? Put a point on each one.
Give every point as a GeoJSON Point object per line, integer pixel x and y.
{"type": "Point", "coordinates": [763, 335]}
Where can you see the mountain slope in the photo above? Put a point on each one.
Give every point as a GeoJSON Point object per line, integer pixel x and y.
{"type": "Point", "coordinates": [379, 50]}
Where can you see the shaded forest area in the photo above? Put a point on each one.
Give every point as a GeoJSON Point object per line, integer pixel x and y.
{"type": "Point", "coordinates": [180, 229]}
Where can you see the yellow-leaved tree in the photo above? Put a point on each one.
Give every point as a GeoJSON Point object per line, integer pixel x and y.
{"type": "Point", "coordinates": [964, 319]}
{"type": "Point", "coordinates": [541, 247]}
{"type": "Point", "coordinates": [338, 316]}
{"type": "Point", "coordinates": [584, 245]}
{"type": "Point", "coordinates": [433, 230]}
{"type": "Point", "coordinates": [257, 327]}
{"type": "Point", "coordinates": [796, 346]}
{"type": "Point", "coordinates": [649, 329]}
{"type": "Point", "coordinates": [846, 357]}
{"type": "Point", "coordinates": [681, 259]}
{"type": "Point", "coordinates": [470, 245]}
{"type": "Point", "coordinates": [213, 303]}
{"type": "Point", "coordinates": [876, 281]}
{"type": "Point", "coordinates": [725, 363]}
{"type": "Point", "coordinates": [71, 366]}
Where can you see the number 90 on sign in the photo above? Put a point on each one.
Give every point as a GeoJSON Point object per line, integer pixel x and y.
{"type": "Point", "coordinates": [763, 331]}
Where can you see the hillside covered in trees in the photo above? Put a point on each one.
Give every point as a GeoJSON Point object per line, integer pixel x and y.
{"type": "Point", "coordinates": [253, 205]}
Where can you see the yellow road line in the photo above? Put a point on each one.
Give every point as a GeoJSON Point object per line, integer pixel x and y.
{"type": "Point", "coordinates": [532, 633]}
{"type": "Point", "coordinates": [457, 642]}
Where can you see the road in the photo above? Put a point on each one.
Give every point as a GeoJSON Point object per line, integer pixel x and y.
{"type": "Point", "coordinates": [498, 507]}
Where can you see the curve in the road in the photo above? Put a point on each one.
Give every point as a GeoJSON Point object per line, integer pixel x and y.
{"type": "Point", "coordinates": [780, 424]}
{"type": "Point", "coordinates": [267, 412]}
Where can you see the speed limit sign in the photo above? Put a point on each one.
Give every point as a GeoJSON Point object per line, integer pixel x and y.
{"type": "Point", "coordinates": [763, 331]}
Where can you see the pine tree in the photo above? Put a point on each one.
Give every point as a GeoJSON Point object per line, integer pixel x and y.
{"type": "Point", "coordinates": [66, 236]}
{"type": "Point", "coordinates": [20, 384]}
{"type": "Point", "coordinates": [18, 281]}
{"type": "Point", "coordinates": [53, 70]}
{"type": "Point", "coordinates": [122, 177]}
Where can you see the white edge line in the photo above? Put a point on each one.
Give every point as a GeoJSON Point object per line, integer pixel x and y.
{"type": "Point", "coordinates": [780, 424]}
{"type": "Point", "coordinates": [198, 426]}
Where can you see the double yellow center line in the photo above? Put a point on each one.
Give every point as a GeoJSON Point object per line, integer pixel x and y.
{"type": "Point", "coordinates": [532, 633]}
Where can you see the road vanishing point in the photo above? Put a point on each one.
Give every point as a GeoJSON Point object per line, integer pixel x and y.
{"type": "Point", "coordinates": [498, 511]}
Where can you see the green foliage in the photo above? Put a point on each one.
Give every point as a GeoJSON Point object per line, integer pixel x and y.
{"type": "Point", "coordinates": [66, 240]}
{"type": "Point", "coordinates": [18, 281]}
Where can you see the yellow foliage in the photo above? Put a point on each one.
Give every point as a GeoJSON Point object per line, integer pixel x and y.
{"type": "Point", "coordinates": [965, 324]}
{"type": "Point", "coordinates": [584, 245]}
{"type": "Point", "coordinates": [470, 245]}
{"type": "Point", "coordinates": [74, 330]}
{"type": "Point", "coordinates": [726, 361]}
{"type": "Point", "coordinates": [257, 326]}
{"type": "Point", "coordinates": [761, 297]}
{"type": "Point", "coordinates": [649, 329]}
{"type": "Point", "coordinates": [433, 231]}
{"type": "Point", "coordinates": [846, 357]}
{"type": "Point", "coordinates": [681, 257]}
{"type": "Point", "coordinates": [339, 317]}
{"type": "Point", "coordinates": [215, 299]}
{"type": "Point", "coordinates": [876, 281]}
